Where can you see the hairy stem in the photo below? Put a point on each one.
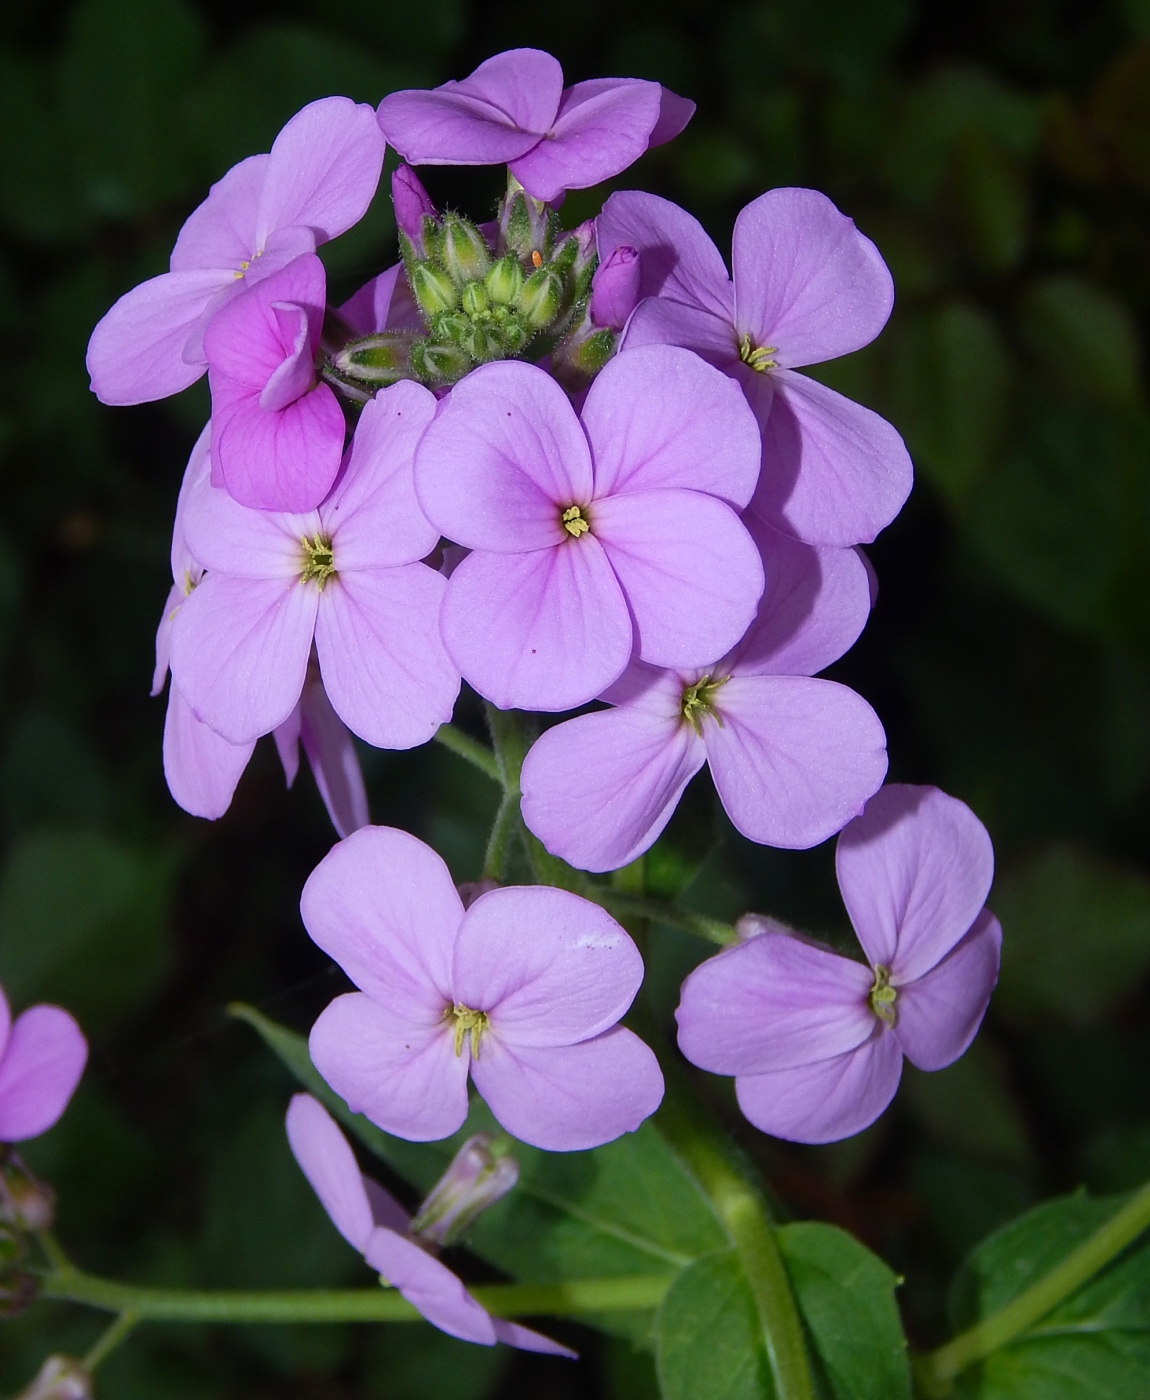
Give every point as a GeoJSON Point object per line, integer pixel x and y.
{"type": "Point", "coordinates": [504, 831]}
{"type": "Point", "coordinates": [466, 747]}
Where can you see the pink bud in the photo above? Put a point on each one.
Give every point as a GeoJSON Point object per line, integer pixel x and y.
{"type": "Point", "coordinates": [412, 205]}
{"type": "Point", "coordinates": [25, 1200]}
{"type": "Point", "coordinates": [476, 1179]}
{"type": "Point", "coordinates": [615, 288]}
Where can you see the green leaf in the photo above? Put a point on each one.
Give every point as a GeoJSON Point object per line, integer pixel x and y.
{"type": "Point", "coordinates": [708, 1337]}
{"type": "Point", "coordinates": [1084, 338]}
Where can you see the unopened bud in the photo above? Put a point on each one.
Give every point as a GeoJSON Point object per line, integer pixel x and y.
{"type": "Point", "coordinates": [594, 352]}
{"type": "Point", "coordinates": [615, 288]}
{"type": "Point", "coordinates": [515, 334]}
{"type": "Point", "coordinates": [25, 1200]}
{"type": "Point", "coordinates": [438, 363]}
{"type": "Point", "coordinates": [751, 925]}
{"type": "Point", "coordinates": [475, 299]}
{"type": "Point", "coordinates": [463, 250]}
{"type": "Point", "coordinates": [540, 297]}
{"type": "Point", "coordinates": [60, 1378]}
{"type": "Point", "coordinates": [525, 224]}
{"type": "Point", "coordinates": [475, 1180]}
{"type": "Point", "coordinates": [484, 343]}
{"type": "Point", "coordinates": [505, 280]}
{"type": "Point", "coordinates": [384, 358]}
{"type": "Point", "coordinates": [433, 290]}
{"type": "Point", "coordinates": [413, 207]}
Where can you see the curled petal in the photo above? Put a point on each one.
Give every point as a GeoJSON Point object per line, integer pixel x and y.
{"type": "Point", "coordinates": [674, 114]}
{"type": "Point", "coordinates": [202, 768]}
{"type": "Point", "coordinates": [940, 1013]}
{"type": "Point", "coordinates": [326, 1159]}
{"type": "Point", "coordinates": [679, 260]}
{"type": "Point", "coordinates": [43, 1060]}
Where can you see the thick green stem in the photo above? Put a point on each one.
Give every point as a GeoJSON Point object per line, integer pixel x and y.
{"type": "Point", "coordinates": [936, 1371]}
{"type": "Point", "coordinates": [466, 747]}
{"type": "Point", "coordinates": [659, 912]}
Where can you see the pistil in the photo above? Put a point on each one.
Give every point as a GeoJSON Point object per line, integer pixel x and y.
{"type": "Point", "coordinates": [318, 560]}
{"type": "Point", "coordinates": [699, 701]}
{"type": "Point", "coordinates": [881, 997]}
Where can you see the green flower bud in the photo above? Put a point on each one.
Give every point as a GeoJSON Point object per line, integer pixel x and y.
{"type": "Point", "coordinates": [464, 252]}
{"type": "Point", "coordinates": [475, 299]}
{"type": "Point", "coordinates": [433, 289]}
{"type": "Point", "coordinates": [595, 351]}
{"type": "Point", "coordinates": [540, 298]}
{"type": "Point", "coordinates": [515, 334]}
{"type": "Point", "coordinates": [436, 363]}
{"type": "Point", "coordinates": [525, 224]}
{"type": "Point", "coordinates": [484, 343]}
{"type": "Point", "coordinates": [480, 1174]}
{"type": "Point", "coordinates": [376, 359]}
{"type": "Point", "coordinates": [505, 280]}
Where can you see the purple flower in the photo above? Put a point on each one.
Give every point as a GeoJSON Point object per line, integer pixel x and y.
{"type": "Point", "coordinates": [277, 432]}
{"type": "Point", "coordinates": [412, 204]}
{"type": "Point", "coordinates": [318, 181]}
{"type": "Point", "coordinates": [377, 1226]}
{"type": "Point", "coordinates": [383, 304]}
{"type": "Point", "coordinates": [615, 288]}
{"type": "Point", "coordinates": [344, 575]}
{"type": "Point", "coordinates": [514, 108]}
{"type": "Point", "coordinates": [523, 990]}
{"type": "Point", "coordinates": [42, 1056]}
{"type": "Point", "coordinates": [815, 1041]}
{"type": "Point", "coordinates": [591, 539]}
{"type": "Point", "coordinates": [793, 758]}
{"type": "Point", "coordinates": [807, 287]}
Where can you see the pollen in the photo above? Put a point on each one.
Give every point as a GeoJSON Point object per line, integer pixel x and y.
{"type": "Point", "coordinates": [574, 521]}
{"type": "Point", "coordinates": [318, 560]}
{"type": "Point", "coordinates": [467, 1022]}
{"type": "Point", "coordinates": [758, 357]}
{"type": "Point", "coordinates": [536, 258]}
{"type": "Point", "coordinates": [699, 701]}
{"type": "Point", "coordinates": [881, 997]}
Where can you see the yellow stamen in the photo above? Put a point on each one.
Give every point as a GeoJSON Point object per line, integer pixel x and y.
{"type": "Point", "coordinates": [318, 560]}
{"type": "Point", "coordinates": [699, 701]}
{"type": "Point", "coordinates": [881, 997]}
{"type": "Point", "coordinates": [758, 357]}
{"type": "Point", "coordinates": [467, 1022]}
{"type": "Point", "coordinates": [574, 521]}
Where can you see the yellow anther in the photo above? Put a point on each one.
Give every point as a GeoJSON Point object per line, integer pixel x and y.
{"type": "Point", "coordinates": [881, 997]}
{"type": "Point", "coordinates": [699, 701]}
{"type": "Point", "coordinates": [467, 1022]}
{"type": "Point", "coordinates": [574, 521]}
{"type": "Point", "coordinates": [758, 357]}
{"type": "Point", "coordinates": [318, 560]}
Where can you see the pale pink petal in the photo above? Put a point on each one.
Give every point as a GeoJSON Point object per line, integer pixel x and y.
{"type": "Point", "coordinates": [825, 1101]}
{"type": "Point", "coordinates": [503, 459]}
{"type": "Point", "coordinates": [164, 637]}
{"type": "Point", "coordinates": [384, 906]}
{"type": "Point", "coordinates": [331, 754]}
{"type": "Point", "coordinates": [793, 759]}
{"type": "Point", "coordinates": [662, 321]}
{"type": "Point", "coordinates": [659, 417]}
{"type": "Point", "coordinates": [571, 1097]}
{"type": "Point", "coordinates": [678, 258]}
{"type": "Point", "coordinates": [542, 631]}
{"type": "Point", "coordinates": [186, 568]}
{"type": "Point", "coordinates": [939, 1014]}
{"type": "Point", "coordinates": [516, 1335]}
{"type": "Point", "coordinates": [689, 570]}
{"type": "Point", "coordinates": [914, 871]}
{"type": "Point", "coordinates": [807, 283]}
{"type": "Point", "coordinates": [383, 662]}
{"type": "Point", "coordinates": [222, 231]}
{"type": "Point", "coordinates": [326, 1159]}
{"type": "Point", "coordinates": [385, 303]}
{"type": "Point", "coordinates": [43, 1060]}
{"type": "Point", "coordinates": [202, 769]}
{"type": "Point", "coordinates": [283, 461]}
{"type": "Point", "coordinates": [548, 967]}
{"type": "Point", "coordinates": [430, 1287]}
{"type": "Point", "coordinates": [599, 789]}
{"type": "Point", "coordinates": [286, 737]}
{"type": "Point", "coordinates": [402, 1074]}
{"type": "Point", "coordinates": [833, 471]}
{"type": "Point", "coordinates": [772, 1003]}
{"type": "Point", "coordinates": [240, 649]}
{"type": "Point", "coordinates": [233, 539]}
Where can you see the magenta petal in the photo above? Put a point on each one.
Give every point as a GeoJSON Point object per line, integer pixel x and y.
{"type": "Point", "coordinates": [5, 1022]}
{"type": "Point", "coordinates": [542, 631]}
{"type": "Point", "coordinates": [326, 1159]}
{"type": "Point", "coordinates": [373, 510]}
{"type": "Point", "coordinates": [136, 353]}
{"type": "Point", "coordinates": [598, 789]}
{"type": "Point", "coordinates": [939, 1014]}
{"type": "Point", "coordinates": [282, 461]}
{"type": "Point", "coordinates": [383, 662]}
{"type": "Point", "coordinates": [384, 906]}
{"type": "Point", "coordinates": [503, 459]}
{"type": "Point", "coordinates": [914, 871]}
{"type": "Point", "coordinates": [571, 1097]}
{"type": "Point", "coordinates": [403, 1074]}
{"type": "Point", "coordinates": [833, 471]}
{"type": "Point", "coordinates": [201, 768]}
{"type": "Point", "coordinates": [429, 1286]}
{"type": "Point", "coordinates": [548, 967]}
{"type": "Point", "coordinates": [659, 417]}
{"type": "Point", "coordinates": [661, 321]}
{"type": "Point", "coordinates": [674, 114]}
{"type": "Point", "coordinates": [825, 1101]}
{"type": "Point", "coordinates": [793, 759]}
{"type": "Point", "coordinates": [246, 341]}
{"type": "Point", "coordinates": [295, 374]}
{"type": "Point", "coordinates": [331, 754]}
{"type": "Point", "coordinates": [43, 1060]}
{"type": "Point", "coordinates": [384, 303]}
{"type": "Point", "coordinates": [772, 1003]}
{"type": "Point", "coordinates": [807, 283]}
{"type": "Point", "coordinates": [689, 570]}
{"type": "Point", "coordinates": [221, 233]}
{"type": "Point", "coordinates": [679, 260]}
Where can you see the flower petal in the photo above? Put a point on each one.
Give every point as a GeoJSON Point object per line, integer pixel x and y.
{"type": "Point", "coordinates": [914, 871]}
{"type": "Point", "coordinates": [5, 1023]}
{"type": "Point", "coordinates": [793, 759]}
{"type": "Point", "coordinates": [384, 303]}
{"type": "Point", "coordinates": [326, 1159]}
{"type": "Point", "coordinates": [571, 1097]}
{"type": "Point", "coordinates": [772, 1003]}
{"type": "Point", "coordinates": [826, 1101]}
{"type": "Point", "coordinates": [679, 260]}
{"type": "Point", "coordinates": [221, 232]}
{"type": "Point", "coordinates": [515, 1335]}
{"type": "Point", "coordinates": [245, 341]}
{"type": "Point", "coordinates": [940, 1013]}
{"type": "Point", "coordinates": [202, 769]}
{"type": "Point", "coordinates": [807, 282]}
{"type": "Point", "coordinates": [403, 1075]}
{"type": "Point", "coordinates": [542, 631]}
{"type": "Point", "coordinates": [332, 757]}
{"type": "Point", "coordinates": [662, 321]}
{"type": "Point", "coordinates": [229, 538]}
{"type": "Point", "coordinates": [430, 1287]}
{"type": "Point", "coordinates": [43, 1061]}
{"type": "Point", "coordinates": [280, 461]}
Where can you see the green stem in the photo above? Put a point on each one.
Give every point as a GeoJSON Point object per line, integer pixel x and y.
{"type": "Point", "coordinates": [110, 1340]}
{"type": "Point", "coordinates": [659, 912]}
{"type": "Point", "coordinates": [504, 830]}
{"type": "Point", "coordinates": [466, 747]}
{"type": "Point", "coordinates": [936, 1371]}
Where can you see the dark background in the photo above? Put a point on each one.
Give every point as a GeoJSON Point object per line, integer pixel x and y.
{"type": "Point", "coordinates": [999, 154]}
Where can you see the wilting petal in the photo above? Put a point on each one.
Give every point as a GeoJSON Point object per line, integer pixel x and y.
{"type": "Point", "coordinates": [326, 1159]}
{"type": "Point", "coordinates": [430, 1287]}
{"type": "Point", "coordinates": [239, 652]}
{"type": "Point", "coordinates": [402, 1074]}
{"type": "Point", "coordinates": [202, 769]}
{"type": "Point", "coordinates": [136, 353]}
{"type": "Point", "coordinates": [542, 631]}
{"type": "Point", "coordinates": [772, 1003]}
{"type": "Point", "coordinates": [914, 871]}
{"type": "Point", "coordinates": [690, 572]}
{"type": "Point", "coordinates": [384, 303]}
{"type": "Point", "coordinates": [678, 258]}
{"type": "Point", "coordinates": [939, 1014]}
{"type": "Point", "coordinates": [221, 233]}
{"type": "Point", "coordinates": [502, 460]}
{"type": "Point", "coordinates": [807, 282]}
{"type": "Point", "coordinates": [599, 789]}
{"type": "Point", "coordinates": [793, 759]}
{"type": "Point", "coordinates": [659, 418]}
{"type": "Point", "coordinates": [43, 1061]}
{"type": "Point", "coordinates": [384, 906]}
{"type": "Point", "coordinates": [825, 1101]}
{"type": "Point", "coordinates": [323, 170]}
{"type": "Point", "coordinates": [283, 461]}
{"type": "Point", "coordinates": [331, 754]}
{"type": "Point", "coordinates": [568, 1098]}
{"type": "Point", "coordinates": [662, 321]}
{"type": "Point", "coordinates": [383, 662]}
{"type": "Point", "coordinates": [833, 471]}
{"type": "Point", "coordinates": [548, 967]}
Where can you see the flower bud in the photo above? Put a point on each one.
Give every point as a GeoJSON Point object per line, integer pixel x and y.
{"type": "Point", "coordinates": [539, 299]}
{"type": "Point", "coordinates": [475, 299]}
{"type": "Point", "coordinates": [751, 925]}
{"type": "Point", "coordinates": [515, 334]}
{"type": "Point", "coordinates": [384, 358]}
{"type": "Point", "coordinates": [575, 255]}
{"type": "Point", "coordinates": [433, 289]}
{"type": "Point", "coordinates": [484, 343]}
{"type": "Point", "coordinates": [525, 224]}
{"type": "Point", "coordinates": [505, 280]}
{"type": "Point", "coordinates": [60, 1378]}
{"type": "Point", "coordinates": [476, 1179]}
{"type": "Point", "coordinates": [615, 289]}
{"type": "Point", "coordinates": [25, 1200]}
{"type": "Point", "coordinates": [463, 250]}
{"type": "Point", "coordinates": [412, 206]}
{"type": "Point", "coordinates": [594, 352]}
{"type": "Point", "coordinates": [438, 363]}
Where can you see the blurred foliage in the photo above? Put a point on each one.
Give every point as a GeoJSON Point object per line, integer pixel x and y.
{"type": "Point", "coordinates": [999, 154]}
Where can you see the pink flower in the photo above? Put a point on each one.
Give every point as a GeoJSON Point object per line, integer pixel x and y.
{"type": "Point", "coordinates": [524, 990]}
{"type": "Point", "coordinates": [816, 1041]}
{"type": "Point", "coordinates": [376, 1225]}
{"type": "Point", "coordinates": [42, 1056]}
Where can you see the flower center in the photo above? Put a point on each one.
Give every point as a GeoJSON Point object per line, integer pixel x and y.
{"type": "Point", "coordinates": [467, 1021]}
{"type": "Point", "coordinates": [318, 560]}
{"type": "Point", "coordinates": [882, 995]}
{"type": "Point", "coordinates": [574, 521]}
{"type": "Point", "coordinates": [758, 357]}
{"type": "Point", "coordinates": [699, 701]}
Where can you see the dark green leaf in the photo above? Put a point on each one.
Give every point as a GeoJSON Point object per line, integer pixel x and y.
{"type": "Point", "coordinates": [708, 1337]}
{"type": "Point", "coordinates": [1085, 339]}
